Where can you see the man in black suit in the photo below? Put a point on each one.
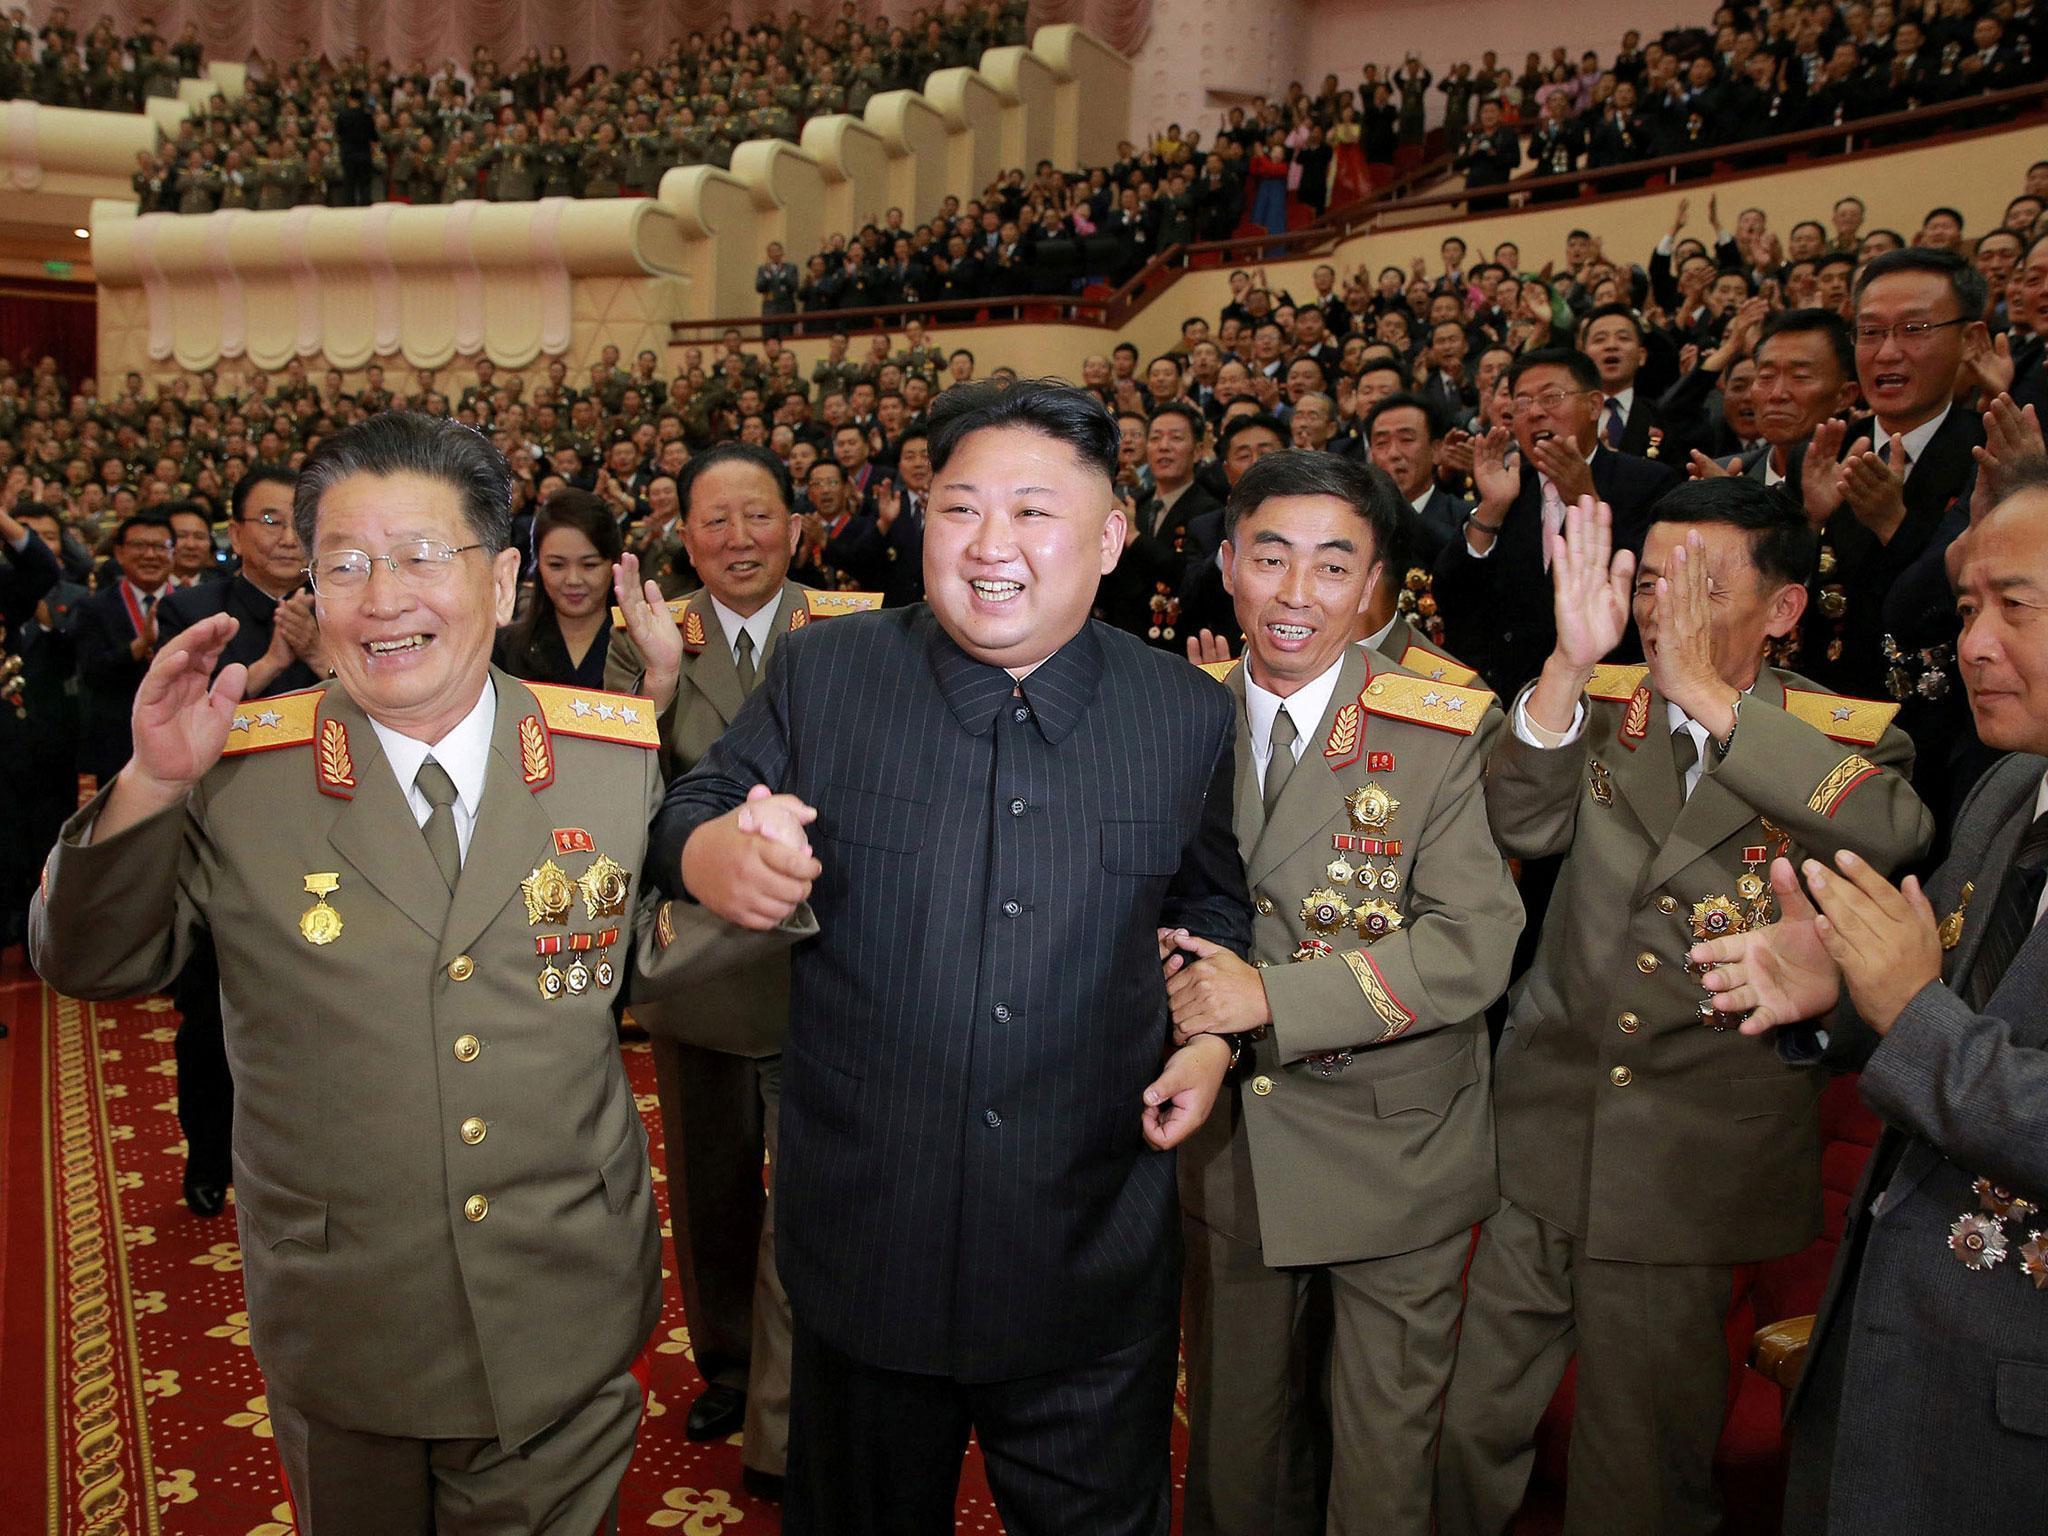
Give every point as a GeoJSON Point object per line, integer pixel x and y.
{"type": "Point", "coordinates": [355, 134]}
{"type": "Point", "coordinates": [1143, 594]}
{"type": "Point", "coordinates": [1402, 434]}
{"type": "Point", "coordinates": [34, 757]}
{"type": "Point", "coordinates": [1492, 585]}
{"type": "Point", "coordinates": [1878, 490]}
{"type": "Point", "coordinates": [1630, 421]}
{"type": "Point", "coordinates": [1489, 156]}
{"type": "Point", "coordinates": [1932, 1315]}
{"type": "Point", "coordinates": [1012, 803]}
{"type": "Point", "coordinates": [116, 634]}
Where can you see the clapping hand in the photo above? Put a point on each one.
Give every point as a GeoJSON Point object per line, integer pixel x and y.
{"type": "Point", "coordinates": [753, 866]}
{"type": "Point", "coordinates": [1590, 583]}
{"type": "Point", "coordinates": [1875, 487]}
{"type": "Point", "coordinates": [1775, 975]}
{"type": "Point", "coordinates": [1496, 482]}
{"type": "Point", "coordinates": [1821, 470]}
{"type": "Point", "coordinates": [655, 635]}
{"type": "Point", "coordinates": [1560, 460]}
{"type": "Point", "coordinates": [180, 723]}
{"type": "Point", "coordinates": [1702, 467]}
{"type": "Point", "coordinates": [2010, 434]}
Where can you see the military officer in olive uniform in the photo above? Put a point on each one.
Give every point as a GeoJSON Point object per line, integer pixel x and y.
{"type": "Point", "coordinates": [718, 1057]}
{"type": "Point", "coordinates": [421, 880]}
{"type": "Point", "coordinates": [1355, 1147]}
{"type": "Point", "coordinates": [1645, 1147]}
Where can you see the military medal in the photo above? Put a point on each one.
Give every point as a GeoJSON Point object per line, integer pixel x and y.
{"type": "Point", "coordinates": [1390, 879]}
{"type": "Point", "coordinates": [1324, 911]}
{"type": "Point", "coordinates": [550, 982]}
{"type": "Point", "coordinates": [548, 892]}
{"type": "Point", "coordinates": [2034, 1259]}
{"type": "Point", "coordinates": [1951, 926]}
{"type": "Point", "coordinates": [2002, 1202]}
{"type": "Point", "coordinates": [320, 923]}
{"type": "Point", "coordinates": [1312, 949]}
{"type": "Point", "coordinates": [577, 977]}
{"type": "Point", "coordinates": [605, 941]}
{"type": "Point", "coordinates": [1376, 919]}
{"type": "Point", "coordinates": [1371, 808]}
{"type": "Point", "coordinates": [1978, 1241]}
{"type": "Point", "coordinates": [1715, 918]}
{"type": "Point", "coordinates": [603, 887]}
{"type": "Point", "coordinates": [1340, 871]}
{"type": "Point", "coordinates": [1599, 782]}
{"type": "Point", "coordinates": [1328, 1063]}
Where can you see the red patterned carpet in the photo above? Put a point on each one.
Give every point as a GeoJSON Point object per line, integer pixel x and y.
{"type": "Point", "coordinates": [129, 1400]}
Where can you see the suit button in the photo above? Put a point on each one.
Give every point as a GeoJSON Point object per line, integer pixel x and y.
{"type": "Point", "coordinates": [1016, 807]}
{"type": "Point", "coordinates": [1012, 908]}
{"type": "Point", "coordinates": [1265, 906]}
{"type": "Point", "coordinates": [1667, 904]}
{"type": "Point", "coordinates": [1000, 1013]}
{"type": "Point", "coordinates": [991, 1119]}
{"type": "Point", "coordinates": [1262, 1085]}
{"type": "Point", "coordinates": [1646, 962]}
{"type": "Point", "coordinates": [466, 1047]}
{"type": "Point", "coordinates": [1020, 714]}
{"type": "Point", "coordinates": [472, 1130]}
{"type": "Point", "coordinates": [461, 968]}
{"type": "Point", "coordinates": [1629, 1023]}
{"type": "Point", "coordinates": [476, 1207]}
{"type": "Point", "coordinates": [1621, 1077]}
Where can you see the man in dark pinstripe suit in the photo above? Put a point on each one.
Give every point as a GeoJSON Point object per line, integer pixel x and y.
{"type": "Point", "coordinates": [980, 1096]}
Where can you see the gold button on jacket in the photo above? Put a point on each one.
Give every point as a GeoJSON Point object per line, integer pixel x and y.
{"type": "Point", "coordinates": [1621, 1077]}
{"type": "Point", "coordinates": [476, 1207]}
{"type": "Point", "coordinates": [1629, 1023]}
{"type": "Point", "coordinates": [461, 968]}
{"type": "Point", "coordinates": [472, 1130]}
{"type": "Point", "coordinates": [466, 1047]}
{"type": "Point", "coordinates": [1262, 1085]}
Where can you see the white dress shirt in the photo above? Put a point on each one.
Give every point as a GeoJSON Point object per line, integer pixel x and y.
{"type": "Point", "coordinates": [1676, 720]}
{"type": "Point", "coordinates": [464, 754]}
{"type": "Point", "coordinates": [1304, 706]}
{"type": "Point", "coordinates": [760, 624]}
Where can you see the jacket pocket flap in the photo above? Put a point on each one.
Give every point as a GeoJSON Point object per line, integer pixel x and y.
{"type": "Point", "coordinates": [1430, 1088]}
{"type": "Point", "coordinates": [872, 818]}
{"type": "Point", "coordinates": [1140, 847]}
{"type": "Point", "coordinates": [278, 1215]}
{"type": "Point", "coordinates": [2023, 1396]}
{"type": "Point", "coordinates": [1789, 1093]}
{"type": "Point", "coordinates": [624, 1169]}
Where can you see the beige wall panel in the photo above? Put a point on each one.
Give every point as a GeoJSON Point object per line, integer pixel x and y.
{"type": "Point", "coordinates": [973, 113]}
{"type": "Point", "coordinates": [789, 196]}
{"type": "Point", "coordinates": [1092, 102]}
{"type": "Point", "coordinates": [717, 216]}
{"type": "Point", "coordinates": [855, 161]}
{"type": "Point", "coordinates": [1028, 89]}
{"type": "Point", "coordinates": [916, 136]}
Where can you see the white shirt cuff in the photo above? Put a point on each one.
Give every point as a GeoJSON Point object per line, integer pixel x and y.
{"type": "Point", "coordinates": [1532, 734]}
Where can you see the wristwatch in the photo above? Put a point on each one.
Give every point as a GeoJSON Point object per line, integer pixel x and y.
{"type": "Point", "coordinates": [1724, 743]}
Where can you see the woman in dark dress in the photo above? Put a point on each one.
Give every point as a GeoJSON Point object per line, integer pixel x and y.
{"type": "Point", "coordinates": [566, 629]}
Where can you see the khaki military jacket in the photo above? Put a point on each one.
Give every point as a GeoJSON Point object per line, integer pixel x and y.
{"type": "Point", "coordinates": [1361, 1125]}
{"type": "Point", "coordinates": [441, 1182]}
{"type": "Point", "coordinates": [1626, 1115]}
{"type": "Point", "coordinates": [1412, 648]}
{"type": "Point", "coordinates": [748, 1014]}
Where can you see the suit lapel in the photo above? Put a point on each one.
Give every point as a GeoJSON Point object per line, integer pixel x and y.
{"type": "Point", "coordinates": [1304, 806]}
{"type": "Point", "coordinates": [1251, 815]}
{"type": "Point", "coordinates": [375, 830]}
{"type": "Point", "coordinates": [1646, 776]}
{"type": "Point", "coordinates": [792, 598]}
{"type": "Point", "coordinates": [511, 834]}
{"type": "Point", "coordinates": [1991, 872]}
{"type": "Point", "coordinates": [1713, 814]}
{"type": "Point", "coordinates": [711, 670]}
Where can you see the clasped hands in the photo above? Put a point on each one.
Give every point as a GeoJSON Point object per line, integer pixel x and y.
{"type": "Point", "coordinates": [753, 866]}
{"type": "Point", "coordinates": [1847, 928]}
{"type": "Point", "coordinates": [1212, 993]}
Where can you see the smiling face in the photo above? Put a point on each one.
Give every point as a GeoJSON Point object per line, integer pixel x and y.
{"type": "Point", "coordinates": [413, 658]}
{"type": "Point", "coordinates": [576, 577]}
{"type": "Point", "coordinates": [1300, 570]}
{"type": "Point", "coordinates": [2002, 596]}
{"type": "Point", "coordinates": [739, 535]}
{"type": "Point", "coordinates": [1798, 385]}
{"type": "Point", "coordinates": [1748, 606]}
{"type": "Point", "coordinates": [1019, 534]}
{"type": "Point", "coordinates": [144, 555]}
{"type": "Point", "coordinates": [1909, 382]}
{"type": "Point", "coordinates": [1549, 403]}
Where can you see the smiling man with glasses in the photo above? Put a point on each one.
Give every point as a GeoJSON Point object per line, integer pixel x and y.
{"type": "Point", "coordinates": [421, 880]}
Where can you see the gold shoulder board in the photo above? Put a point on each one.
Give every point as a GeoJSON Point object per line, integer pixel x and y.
{"type": "Point", "coordinates": [597, 715]}
{"type": "Point", "coordinates": [1446, 706]}
{"type": "Point", "coordinates": [1860, 722]}
{"type": "Point", "coordinates": [1438, 669]}
{"type": "Point", "coordinates": [262, 725]}
{"type": "Point", "coordinates": [1220, 670]}
{"type": "Point", "coordinates": [675, 611]}
{"type": "Point", "coordinates": [1616, 683]}
{"type": "Point", "coordinates": [830, 605]}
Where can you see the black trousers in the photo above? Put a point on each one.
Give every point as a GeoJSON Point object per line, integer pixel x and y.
{"type": "Point", "coordinates": [206, 1093]}
{"type": "Point", "coordinates": [1079, 1452]}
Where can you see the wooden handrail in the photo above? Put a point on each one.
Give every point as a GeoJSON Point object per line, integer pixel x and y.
{"type": "Point", "coordinates": [1114, 310]}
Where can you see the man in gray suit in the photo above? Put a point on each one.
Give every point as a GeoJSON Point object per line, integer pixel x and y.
{"type": "Point", "coordinates": [1933, 1317]}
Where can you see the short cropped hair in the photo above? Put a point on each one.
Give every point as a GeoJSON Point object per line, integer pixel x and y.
{"type": "Point", "coordinates": [1050, 407]}
{"type": "Point", "coordinates": [1783, 544]}
{"type": "Point", "coordinates": [734, 453]}
{"type": "Point", "coordinates": [1368, 491]}
{"type": "Point", "coordinates": [412, 443]}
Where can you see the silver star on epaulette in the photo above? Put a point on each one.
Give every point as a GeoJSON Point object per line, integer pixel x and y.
{"type": "Point", "coordinates": [241, 723]}
{"type": "Point", "coordinates": [578, 707]}
{"type": "Point", "coordinates": [629, 714]}
{"type": "Point", "coordinates": [1454, 704]}
{"type": "Point", "coordinates": [1437, 676]}
{"type": "Point", "coordinates": [1432, 697]}
{"type": "Point", "coordinates": [1842, 713]}
{"type": "Point", "coordinates": [605, 712]}
{"type": "Point", "coordinates": [271, 718]}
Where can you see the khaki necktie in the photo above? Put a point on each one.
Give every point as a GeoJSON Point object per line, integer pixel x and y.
{"type": "Point", "coordinates": [1280, 763]}
{"type": "Point", "coordinates": [432, 781]}
{"type": "Point", "coordinates": [743, 661]}
{"type": "Point", "coordinates": [1686, 753]}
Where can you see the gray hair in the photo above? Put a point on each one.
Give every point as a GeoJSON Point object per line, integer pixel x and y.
{"type": "Point", "coordinates": [409, 443]}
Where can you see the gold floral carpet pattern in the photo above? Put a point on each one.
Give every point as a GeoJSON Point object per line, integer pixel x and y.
{"type": "Point", "coordinates": [131, 1400]}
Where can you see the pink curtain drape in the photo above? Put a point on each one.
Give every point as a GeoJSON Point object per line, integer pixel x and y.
{"type": "Point", "coordinates": [593, 31]}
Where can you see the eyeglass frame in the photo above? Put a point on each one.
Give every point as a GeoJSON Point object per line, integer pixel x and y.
{"type": "Point", "coordinates": [442, 563]}
{"type": "Point", "coordinates": [1523, 402]}
{"type": "Point", "coordinates": [266, 519]}
{"type": "Point", "coordinates": [1877, 335]}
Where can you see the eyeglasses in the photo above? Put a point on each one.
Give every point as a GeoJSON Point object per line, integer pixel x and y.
{"type": "Point", "coordinates": [1909, 332]}
{"type": "Point", "coordinates": [418, 563]}
{"type": "Point", "coordinates": [1550, 399]}
{"type": "Point", "coordinates": [267, 519]}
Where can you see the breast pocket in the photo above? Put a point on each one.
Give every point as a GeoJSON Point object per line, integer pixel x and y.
{"type": "Point", "coordinates": [1148, 848]}
{"type": "Point", "coordinates": [872, 818]}
{"type": "Point", "coordinates": [2023, 1396]}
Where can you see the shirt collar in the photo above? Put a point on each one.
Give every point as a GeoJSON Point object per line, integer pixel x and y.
{"type": "Point", "coordinates": [1625, 398]}
{"type": "Point", "coordinates": [465, 752]}
{"type": "Point", "coordinates": [759, 624]}
{"type": "Point", "coordinates": [1916, 440]}
{"type": "Point", "coordinates": [1059, 689]}
{"type": "Point", "coordinates": [1306, 706]}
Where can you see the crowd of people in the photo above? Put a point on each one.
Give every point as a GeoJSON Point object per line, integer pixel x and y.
{"type": "Point", "coordinates": [99, 69]}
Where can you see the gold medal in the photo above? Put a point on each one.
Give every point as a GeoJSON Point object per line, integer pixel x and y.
{"type": "Point", "coordinates": [1376, 919]}
{"type": "Point", "coordinates": [604, 887]}
{"type": "Point", "coordinates": [1340, 871]}
{"type": "Point", "coordinates": [1715, 918]}
{"type": "Point", "coordinates": [320, 923]}
{"type": "Point", "coordinates": [1951, 926]}
{"type": "Point", "coordinates": [550, 982]}
{"type": "Point", "coordinates": [1601, 784]}
{"type": "Point", "coordinates": [548, 892]}
{"type": "Point", "coordinates": [1371, 807]}
{"type": "Point", "coordinates": [1390, 879]}
{"type": "Point", "coordinates": [577, 978]}
{"type": "Point", "coordinates": [1750, 886]}
{"type": "Point", "coordinates": [1324, 911]}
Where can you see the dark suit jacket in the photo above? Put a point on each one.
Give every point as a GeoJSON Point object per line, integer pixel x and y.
{"type": "Point", "coordinates": [108, 675]}
{"type": "Point", "coordinates": [964, 1187]}
{"type": "Point", "coordinates": [890, 562]}
{"type": "Point", "coordinates": [1643, 416]}
{"type": "Point", "coordinates": [255, 612]}
{"type": "Point", "coordinates": [26, 576]}
{"type": "Point", "coordinates": [1906, 1331]}
{"type": "Point", "coordinates": [1166, 556]}
{"type": "Point", "coordinates": [1497, 612]}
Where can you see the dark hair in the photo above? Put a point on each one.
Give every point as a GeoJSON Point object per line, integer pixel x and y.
{"type": "Point", "coordinates": [1806, 322]}
{"type": "Point", "coordinates": [734, 453]}
{"type": "Point", "coordinates": [1198, 424]}
{"type": "Point", "coordinates": [586, 512]}
{"type": "Point", "coordinates": [1164, 357]}
{"type": "Point", "coordinates": [1237, 426]}
{"type": "Point", "coordinates": [411, 443]}
{"type": "Point", "coordinates": [1783, 545]}
{"type": "Point", "coordinates": [1407, 401]}
{"type": "Point", "coordinates": [1368, 491]}
{"type": "Point", "coordinates": [150, 519]}
{"type": "Point", "coordinates": [25, 509]}
{"type": "Point", "coordinates": [1834, 259]}
{"type": "Point", "coordinates": [185, 508]}
{"type": "Point", "coordinates": [1050, 407]}
{"type": "Point", "coordinates": [1382, 365]}
{"type": "Point", "coordinates": [253, 476]}
{"type": "Point", "coordinates": [1964, 280]}
{"type": "Point", "coordinates": [1617, 309]}
{"type": "Point", "coordinates": [1573, 361]}
{"type": "Point", "coordinates": [1942, 208]}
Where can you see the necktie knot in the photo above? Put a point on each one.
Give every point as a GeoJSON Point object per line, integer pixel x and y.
{"type": "Point", "coordinates": [433, 783]}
